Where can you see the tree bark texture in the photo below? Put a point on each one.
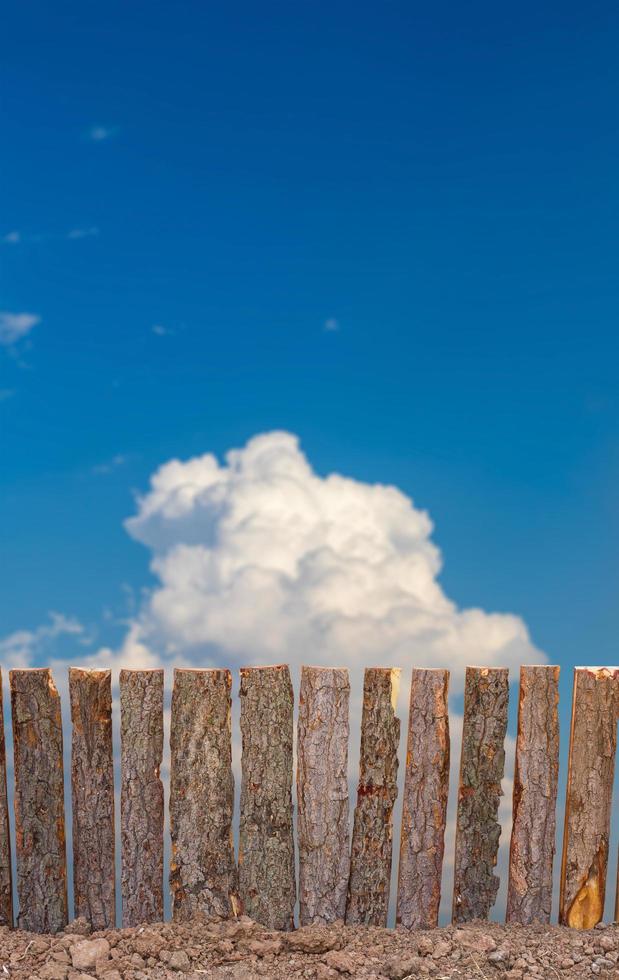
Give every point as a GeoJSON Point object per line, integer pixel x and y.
{"type": "Point", "coordinates": [6, 881]}
{"type": "Point", "coordinates": [203, 871]}
{"type": "Point", "coordinates": [322, 794]}
{"type": "Point", "coordinates": [266, 843]}
{"type": "Point", "coordinates": [39, 801]}
{"type": "Point", "coordinates": [482, 764]}
{"type": "Point", "coordinates": [529, 894]}
{"type": "Point", "coordinates": [141, 796]}
{"type": "Point", "coordinates": [424, 813]}
{"type": "Point", "coordinates": [372, 838]}
{"type": "Point", "coordinates": [92, 783]}
{"type": "Point", "coordinates": [593, 741]}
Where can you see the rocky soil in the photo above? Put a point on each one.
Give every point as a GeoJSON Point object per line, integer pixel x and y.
{"type": "Point", "coordinates": [243, 950]}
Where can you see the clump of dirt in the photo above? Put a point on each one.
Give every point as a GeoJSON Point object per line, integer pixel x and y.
{"type": "Point", "coordinates": [243, 950]}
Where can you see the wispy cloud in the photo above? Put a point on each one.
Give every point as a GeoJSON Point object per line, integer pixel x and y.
{"type": "Point", "coordinates": [21, 648]}
{"type": "Point", "coordinates": [74, 234]}
{"type": "Point", "coordinates": [331, 325]}
{"type": "Point", "coordinates": [160, 331]}
{"type": "Point", "coordinates": [98, 134]}
{"type": "Point", "coordinates": [77, 233]}
{"type": "Point", "coordinates": [102, 469]}
{"type": "Point", "coordinates": [6, 393]}
{"type": "Point", "coordinates": [16, 326]}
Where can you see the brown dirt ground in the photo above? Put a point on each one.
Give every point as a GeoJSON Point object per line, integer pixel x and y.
{"type": "Point", "coordinates": [243, 950]}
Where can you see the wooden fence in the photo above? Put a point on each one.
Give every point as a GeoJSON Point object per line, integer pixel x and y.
{"type": "Point", "coordinates": [338, 879]}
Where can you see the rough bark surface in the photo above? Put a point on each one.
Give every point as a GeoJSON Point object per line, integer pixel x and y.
{"type": "Point", "coordinates": [6, 881]}
{"type": "Point", "coordinates": [92, 784]}
{"type": "Point", "coordinates": [482, 764]}
{"type": "Point", "coordinates": [322, 794]}
{"type": "Point", "coordinates": [529, 894]}
{"type": "Point", "coordinates": [424, 813]}
{"type": "Point", "coordinates": [266, 843]}
{"type": "Point", "coordinates": [39, 801]}
{"type": "Point", "coordinates": [203, 872]}
{"type": "Point", "coordinates": [372, 838]}
{"type": "Point", "coordinates": [141, 796]}
{"type": "Point", "coordinates": [593, 741]}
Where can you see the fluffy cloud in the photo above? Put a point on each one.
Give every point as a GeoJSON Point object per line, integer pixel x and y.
{"type": "Point", "coordinates": [15, 326]}
{"type": "Point", "coordinates": [261, 559]}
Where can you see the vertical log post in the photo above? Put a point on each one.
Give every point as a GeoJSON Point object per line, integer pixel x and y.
{"type": "Point", "coordinates": [266, 843]}
{"type": "Point", "coordinates": [529, 893]}
{"type": "Point", "coordinates": [424, 813]}
{"type": "Point", "coordinates": [591, 766]}
{"type": "Point", "coordinates": [39, 801]}
{"type": "Point", "coordinates": [372, 838]}
{"type": "Point", "coordinates": [92, 783]}
{"type": "Point", "coordinates": [6, 880]}
{"type": "Point", "coordinates": [203, 870]}
{"type": "Point", "coordinates": [482, 764]}
{"type": "Point", "coordinates": [141, 796]}
{"type": "Point", "coordinates": [322, 794]}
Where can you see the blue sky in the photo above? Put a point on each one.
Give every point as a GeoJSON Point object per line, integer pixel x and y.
{"type": "Point", "coordinates": [389, 229]}
{"type": "Point", "coordinates": [440, 182]}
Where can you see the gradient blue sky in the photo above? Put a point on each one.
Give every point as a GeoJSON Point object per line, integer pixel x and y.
{"type": "Point", "coordinates": [440, 181]}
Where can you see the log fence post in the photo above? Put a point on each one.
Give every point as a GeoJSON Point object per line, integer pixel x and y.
{"type": "Point", "coordinates": [92, 784]}
{"type": "Point", "coordinates": [322, 794]}
{"type": "Point", "coordinates": [372, 837]}
{"type": "Point", "coordinates": [141, 796]}
{"type": "Point", "coordinates": [591, 766]}
{"type": "Point", "coordinates": [6, 878]}
{"type": "Point", "coordinates": [532, 848]}
{"type": "Point", "coordinates": [39, 801]}
{"type": "Point", "coordinates": [424, 811]}
{"type": "Point", "coordinates": [482, 764]}
{"type": "Point", "coordinates": [266, 839]}
{"type": "Point", "coordinates": [203, 876]}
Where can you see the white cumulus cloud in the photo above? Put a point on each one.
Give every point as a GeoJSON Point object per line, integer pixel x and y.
{"type": "Point", "coordinates": [261, 559]}
{"type": "Point", "coordinates": [15, 326]}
